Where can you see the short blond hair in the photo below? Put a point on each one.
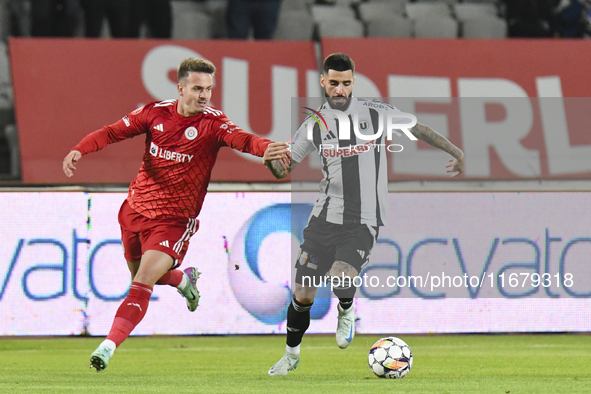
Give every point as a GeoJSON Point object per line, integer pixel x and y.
{"type": "Point", "coordinates": [192, 64]}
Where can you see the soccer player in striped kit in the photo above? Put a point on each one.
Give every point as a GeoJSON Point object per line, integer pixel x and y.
{"type": "Point", "coordinates": [345, 220]}
{"type": "Point", "coordinates": [159, 216]}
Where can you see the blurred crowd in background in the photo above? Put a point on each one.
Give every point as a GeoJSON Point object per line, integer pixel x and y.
{"type": "Point", "coordinates": [548, 18]}
{"type": "Point", "coordinates": [259, 19]}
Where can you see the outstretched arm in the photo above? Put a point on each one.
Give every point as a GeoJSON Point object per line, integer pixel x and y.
{"type": "Point", "coordinates": [93, 142]}
{"type": "Point", "coordinates": [127, 127]}
{"type": "Point", "coordinates": [433, 138]}
{"type": "Point", "coordinates": [69, 164]}
{"type": "Point", "coordinates": [277, 159]}
{"type": "Point", "coordinates": [278, 170]}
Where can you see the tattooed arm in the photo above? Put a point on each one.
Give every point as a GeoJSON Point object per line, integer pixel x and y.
{"type": "Point", "coordinates": [433, 138]}
{"type": "Point", "coordinates": [278, 169]}
{"type": "Point", "coordinates": [277, 159]}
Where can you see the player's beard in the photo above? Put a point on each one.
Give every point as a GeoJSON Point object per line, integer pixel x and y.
{"type": "Point", "coordinates": [338, 106]}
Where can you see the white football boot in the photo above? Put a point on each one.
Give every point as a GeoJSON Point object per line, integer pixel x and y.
{"type": "Point", "coordinates": [345, 327]}
{"type": "Point", "coordinates": [287, 363]}
{"type": "Point", "coordinates": [99, 359]}
{"type": "Point", "coordinates": [190, 291]}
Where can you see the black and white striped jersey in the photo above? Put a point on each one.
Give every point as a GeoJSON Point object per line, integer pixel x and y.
{"type": "Point", "coordinates": [355, 184]}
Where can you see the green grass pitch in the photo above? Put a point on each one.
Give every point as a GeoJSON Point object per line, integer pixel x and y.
{"type": "Point", "coordinates": [238, 364]}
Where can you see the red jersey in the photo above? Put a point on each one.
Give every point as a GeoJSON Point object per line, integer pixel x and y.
{"type": "Point", "coordinates": [179, 156]}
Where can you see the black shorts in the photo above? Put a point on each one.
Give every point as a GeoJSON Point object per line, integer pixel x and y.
{"type": "Point", "coordinates": [324, 243]}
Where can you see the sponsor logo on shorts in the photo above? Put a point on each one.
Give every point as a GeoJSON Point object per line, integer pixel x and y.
{"type": "Point", "coordinates": [126, 121]}
{"type": "Point", "coordinates": [313, 261]}
{"type": "Point", "coordinates": [303, 258]}
{"type": "Point", "coordinates": [307, 260]}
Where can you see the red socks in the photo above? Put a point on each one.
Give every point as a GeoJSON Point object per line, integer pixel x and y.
{"type": "Point", "coordinates": [172, 278]}
{"type": "Point", "coordinates": [131, 312]}
{"type": "Point", "coordinates": [134, 306]}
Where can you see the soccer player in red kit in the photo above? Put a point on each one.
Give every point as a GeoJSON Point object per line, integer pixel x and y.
{"type": "Point", "coordinates": [159, 216]}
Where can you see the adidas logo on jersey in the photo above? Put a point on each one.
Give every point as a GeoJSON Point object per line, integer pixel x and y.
{"type": "Point", "coordinates": [329, 136]}
{"type": "Point", "coordinates": [164, 243]}
{"type": "Point", "coordinates": [361, 253]}
{"type": "Point", "coordinates": [159, 127]}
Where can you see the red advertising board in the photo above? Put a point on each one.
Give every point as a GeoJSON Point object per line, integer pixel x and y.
{"type": "Point", "coordinates": [518, 108]}
{"type": "Point", "coordinates": [503, 135]}
{"type": "Point", "coordinates": [66, 88]}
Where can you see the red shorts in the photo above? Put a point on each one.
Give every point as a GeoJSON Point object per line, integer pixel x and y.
{"type": "Point", "coordinates": [169, 235]}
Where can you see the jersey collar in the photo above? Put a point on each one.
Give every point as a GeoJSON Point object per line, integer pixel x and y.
{"type": "Point", "coordinates": [181, 118]}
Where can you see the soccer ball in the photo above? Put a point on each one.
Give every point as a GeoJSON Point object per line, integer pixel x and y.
{"type": "Point", "coordinates": [390, 358]}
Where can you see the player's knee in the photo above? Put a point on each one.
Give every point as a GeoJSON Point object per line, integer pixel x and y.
{"type": "Point", "coordinates": [305, 294]}
{"type": "Point", "coordinates": [144, 279]}
{"type": "Point", "coordinates": [340, 283]}
{"type": "Point", "coordinates": [343, 270]}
